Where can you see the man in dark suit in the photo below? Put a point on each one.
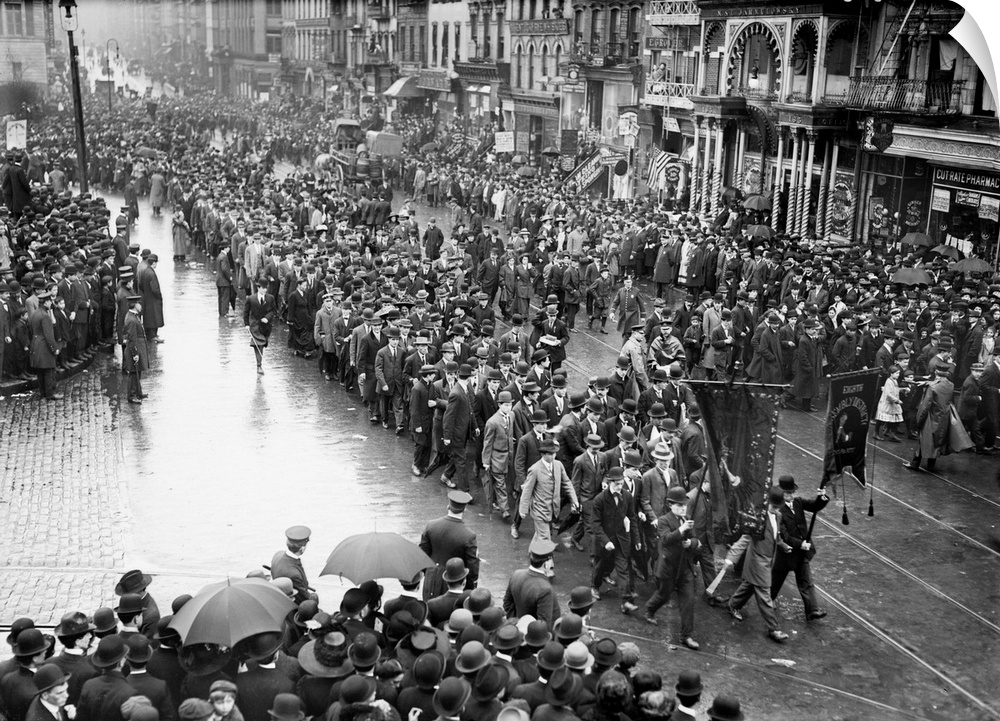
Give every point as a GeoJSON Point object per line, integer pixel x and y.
{"type": "Point", "coordinates": [44, 350]}
{"type": "Point", "coordinates": [489, 277]}
{"type": "Point", "coordinates": [17, 688]}
{"type": "Point", "coordinates": [448, 537]}
{"type": "Point", "coordinates": [588, 473]}
{"type": "Point", "coordinates": [257, 687]}
{"type": "Point", "coordinates": [440, 607]}
{"type": "Point", "coordinates": [795, 533]}
{"type": "Point", "coordinates": [53, 691]}
{"type": "Point", "coordinates": [101, 698]}
{"type": "Point", "coordinates": [368, 347]}
{"type": "Point", "coordinates": [138, 654]}
{"type": "Point", "coordinates": [259, 311]}
{"type": "Point", "coordinates": [616, 534]}
{"type": "Point", "coordinates": [421, 417]}
{"type": "Point", "coordinates": [459, 429]}
{"type": "Point", "coordinates": [529, 590]}
{"type": "Point", "coordinates": [675, 565]}
{"type": "Point", "coordinates": [389, 380]}
{"type": "Point", "coordinates": [758, 564]}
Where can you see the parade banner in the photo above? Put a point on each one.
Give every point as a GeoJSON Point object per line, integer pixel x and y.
{"type": "Point", "coordinates": [17, 134]}
{"type": "Point", "coordinates": [741, 430]}
{"type": "Point", "coordinates": [852, 405]}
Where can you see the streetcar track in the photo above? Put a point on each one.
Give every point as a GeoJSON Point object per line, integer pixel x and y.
{"type": "Point", "coordinates": [767, 670]}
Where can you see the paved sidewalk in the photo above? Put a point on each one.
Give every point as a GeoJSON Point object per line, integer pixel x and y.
{"type": "Point", "coordinates": [64, 511]}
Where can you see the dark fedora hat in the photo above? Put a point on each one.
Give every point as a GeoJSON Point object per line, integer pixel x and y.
{"type": "Point", "coordinates": [74, 624]}
{"type": "Point", "coordinates": [428, 669]}
{"type": "Point", "coordinates": [31, 642]}
{"type": "Point", "coordinates": [49, 676]}
{"type": "Point", "coordinates": [134, 581]}
{"type": "Point", "coordinates": [606, 653]}
{"type": "Point", "coordinates": [110, 651]}
{"type": "Point", "coordinates": [563, 687]}
{"type": "Point", "coordinates": [451, 696]}
{"type": "Point", "coordinates": [489, 681]}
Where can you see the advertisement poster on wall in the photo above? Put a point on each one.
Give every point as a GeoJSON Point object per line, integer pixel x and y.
{"type": "Point", "coordinates": [843, 203]}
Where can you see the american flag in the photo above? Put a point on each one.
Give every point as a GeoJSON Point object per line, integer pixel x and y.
{"type": "Point", "coordinates": [657, 164]}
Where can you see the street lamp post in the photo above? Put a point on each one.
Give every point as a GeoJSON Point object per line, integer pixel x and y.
{"type": "Point", "coordinates": [107, 66]}
{"type": "Point", "coordinates": [70, 23]}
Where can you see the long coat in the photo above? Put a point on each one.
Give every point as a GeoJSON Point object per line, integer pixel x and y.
{"type": "Point", "coordinates": [389, 371]}
{"type": "Point", "coordinates": [43, 339]}
{"type": "Point", "coordinates": [444, 538]}
{"type": "Point", "coordinates": [152, 298]}
{"type": "Point", "coordinates": [629, 307]}
{"type": "Point", "coordinates": [135, 345]}
{"type": "Point", "coordinates": [760, 554]}
{"type": "Point", "coordinates": [157, 190]}
{"type": "Point", "coordinates": [543, 491]}
{"type": "Point", "coordinates": [529, 592]}
{"type": "Point", "coordinates": [808, 368]}
{"type": "Point", "coordinates": [254, 313]}
{"type": "Point", "coordinates": [933, 417]}
{"type": "Point", "coordinates": [498, 444]}
{"type": "Point", "coordinates": [766, 364]}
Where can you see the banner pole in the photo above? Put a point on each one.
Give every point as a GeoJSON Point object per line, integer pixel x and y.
{"type": "Point", "coordinates": [871, 492]}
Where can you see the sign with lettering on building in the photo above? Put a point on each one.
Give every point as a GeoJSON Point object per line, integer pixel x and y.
{"type": "Point", "coordinates": [989, 208]}
{"type": "Point", "coordinates": [941, 200]}
{"type": "Point", "coordinates": [967, 197]}
{"type": "Point", "coordinates": [969, 179]}
{"type": "Point", "coordinates": [557, 26]}
{"type": "Point", "coordinates": [504, 141]}
{"type": "Point", "coordinates": [17, 134]}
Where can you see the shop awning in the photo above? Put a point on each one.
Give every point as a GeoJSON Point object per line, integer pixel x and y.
{"type": "Point", "coordinates": [485, 89]}
{"type": "Point", "coordinates": [404, 88]}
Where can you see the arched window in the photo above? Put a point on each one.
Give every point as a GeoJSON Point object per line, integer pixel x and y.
{"type": "Point", "coordinates": [557, 59]}
{"type": "Point", "coordinates": [531, 67]}
{"type": "Point", "coordinates": [632, 35]}
{"type": "Point", "coordinates": [545, 61]}
{"type": "Point", "coordinates": [518, 67]}
{"type": "Point", "coordinates": [578, 20]}
{"type": "Point", "coordinates": [614, 39]}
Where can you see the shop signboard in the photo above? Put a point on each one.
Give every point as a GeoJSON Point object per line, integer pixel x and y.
{"type": "Point", "coordinates": [967, 197]}
{"type": "Point", "coordinates": [569, 143]}
{"type": "Point", "coordinates": [504, 141]}
{"type": "Point", "coordinates": [967, 179]}
{"type": "Point", "coordinates": [941, 200]}
{"type": "Point", "coordinates": [989, 208]}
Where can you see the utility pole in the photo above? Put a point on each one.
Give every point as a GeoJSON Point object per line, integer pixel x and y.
{"type": "Point", "coordinates": [70, 23]}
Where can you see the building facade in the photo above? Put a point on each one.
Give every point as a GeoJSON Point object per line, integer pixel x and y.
{"type": "Point", "coordinates": [23, 36]}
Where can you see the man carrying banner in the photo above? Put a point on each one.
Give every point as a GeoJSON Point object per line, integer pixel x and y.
{"type": "Point", "coordinates": [757, 566]}
{"type": "Point", "coordinates": [798, 534]}
{"type": "Point", "coordinates": [932, 418]}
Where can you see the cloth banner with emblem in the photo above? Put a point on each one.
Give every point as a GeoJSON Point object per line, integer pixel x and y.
{"type": "Point", "coordinates": [740, 421]}
{"type": "Point", "coordinates": [852, 405]}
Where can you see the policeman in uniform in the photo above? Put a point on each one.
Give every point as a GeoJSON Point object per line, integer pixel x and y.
{"type": "Point", "coordinates": [449, 537]}
{"type": "Point", "coordinates": [288, 563]}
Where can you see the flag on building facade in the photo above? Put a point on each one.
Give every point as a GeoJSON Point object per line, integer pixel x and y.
{"type": "Point", "coordinates": [657, 164]}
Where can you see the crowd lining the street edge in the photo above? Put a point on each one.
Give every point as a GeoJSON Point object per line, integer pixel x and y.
{"type": "Point", "coordinates": [461, 341]}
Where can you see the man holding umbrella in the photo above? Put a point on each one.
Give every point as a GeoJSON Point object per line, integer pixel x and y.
{"type": "Point", "coordinates": [448, 537]}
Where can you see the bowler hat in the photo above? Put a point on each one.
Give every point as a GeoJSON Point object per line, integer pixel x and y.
{"type": "Point", "coordinates": [787, 483]}
{"type": "Point", "coordinates": [428, 669]}
{"type": "Point", "coordinates": [138, 649]}
{"type": "Point", "coordinates": [454, 570]}
{"type": "Point", "coordinates": [353, 602]}
{"type": "Point", "coordinates": [356, 689]}
{"type": "Point", "coordinates": [580, 598]}
{"type": "Point", "coordinates": [451, 696]}
{"type": "Point", "coordinates": [129, 603]}
{"type": "Point", "coordinates": [460, 619]}
{"type": "Point", "coordinates": [594, 405]}
{"type": "Point", "coordinates": [725, 708]}
{"type": "Point", "coordinates": [478, 600]}
{"type": "Point", "coordinates": [17, 627]}
{"type": "Point", "coordinates": [508, 637]}
{"type": "Point", "coordinates": [491, 619]}
{"type": "Point", "coordinates": [568, 627]}
{"type": "Point", "coordinates": [627, 434]}
{"type": "Point", "coordinates": [658, 410]}
{"type": "Point", "coordinates": [551, 656]}
{"type": "Point", "coordinates": [547, 446]}
{"type": "Point", "coordinates": [110, 651]}
{"type": "Point", "coordinates": [31, 642]}
{"type": "Point", "coordinates": [286, 707]}
{"type": "Point", "coordinates": [105, 620]}
{"type": "Point", "coordinates": [505, 397]}
{"type": "Point", "coordinates": [688, 683]}
{"type": "Point", "coordinates": [676, 494]}
{"type": "Point", "coordinates": [49, 676]}
{"type": "Point", "coordinates": [472, 657]}
{"type": "Point", "coordinates": [537, 634]}
{"type": "Point", "coordinates": [578, 657]}
{"type": "Point", "coordinates": [615, 473]}
{"type": "Point", "coordinates": [364, 652]}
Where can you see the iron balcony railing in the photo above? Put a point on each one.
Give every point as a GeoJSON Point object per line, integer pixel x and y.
{"type": "Point", "coordinates": [673, 12]}
{"type": "Point", "coordinates": [930, 97]}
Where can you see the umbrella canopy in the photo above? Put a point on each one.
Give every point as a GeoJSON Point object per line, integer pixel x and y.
{"type": "Point", "coordinates": [428, 147]}
{"type": "Point", "coordinates": [373, 555]}
{"type": "Point", "coordinates": [763, 232]}
{"type": "Point", "coordinates": [971, 265]}
{"type": "Point", "coordinates": [917, 239]}
{"type": "Point", "coordinates": [550, 151]}
{"type": "Point", "coordinates": [948, 251]}
{"type": "Point", "coordinates": [226, 613]}
{"type": "Point", "coordinates": [519, 160]}
{"type": "Point", "coordinates": [527, 171]}
{"type": "Point", "coordinates": [757, 202]}
{"type": "Point", "coordinates": [912, 276]}
{"type": "Point", "coordinates": [145, 152]}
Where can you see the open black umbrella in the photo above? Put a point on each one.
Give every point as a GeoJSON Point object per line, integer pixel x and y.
{"type": "Point", "coordinates": [912, 276]}
{"type": "Point", "coordinates": [971, 265]}
{"type": "Point", "coordinates": [373, 555]}
{"type": "Point", "coordinates": [917, 239]}
{"type": "Point", "coordinates": [550, 151]}
{"type": "Point", "coordinates": [760, 232]}
{"type": "Point", "coordinates": [225, 613]}
{"type": "Point", "coordinates": [519, 160]}
{"type": "Point", "coordinates": [948, 251]}
{"type": "Point", "coordinates": [526, 171]}
{"type": "Point", "coordinates": [757, 202]}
